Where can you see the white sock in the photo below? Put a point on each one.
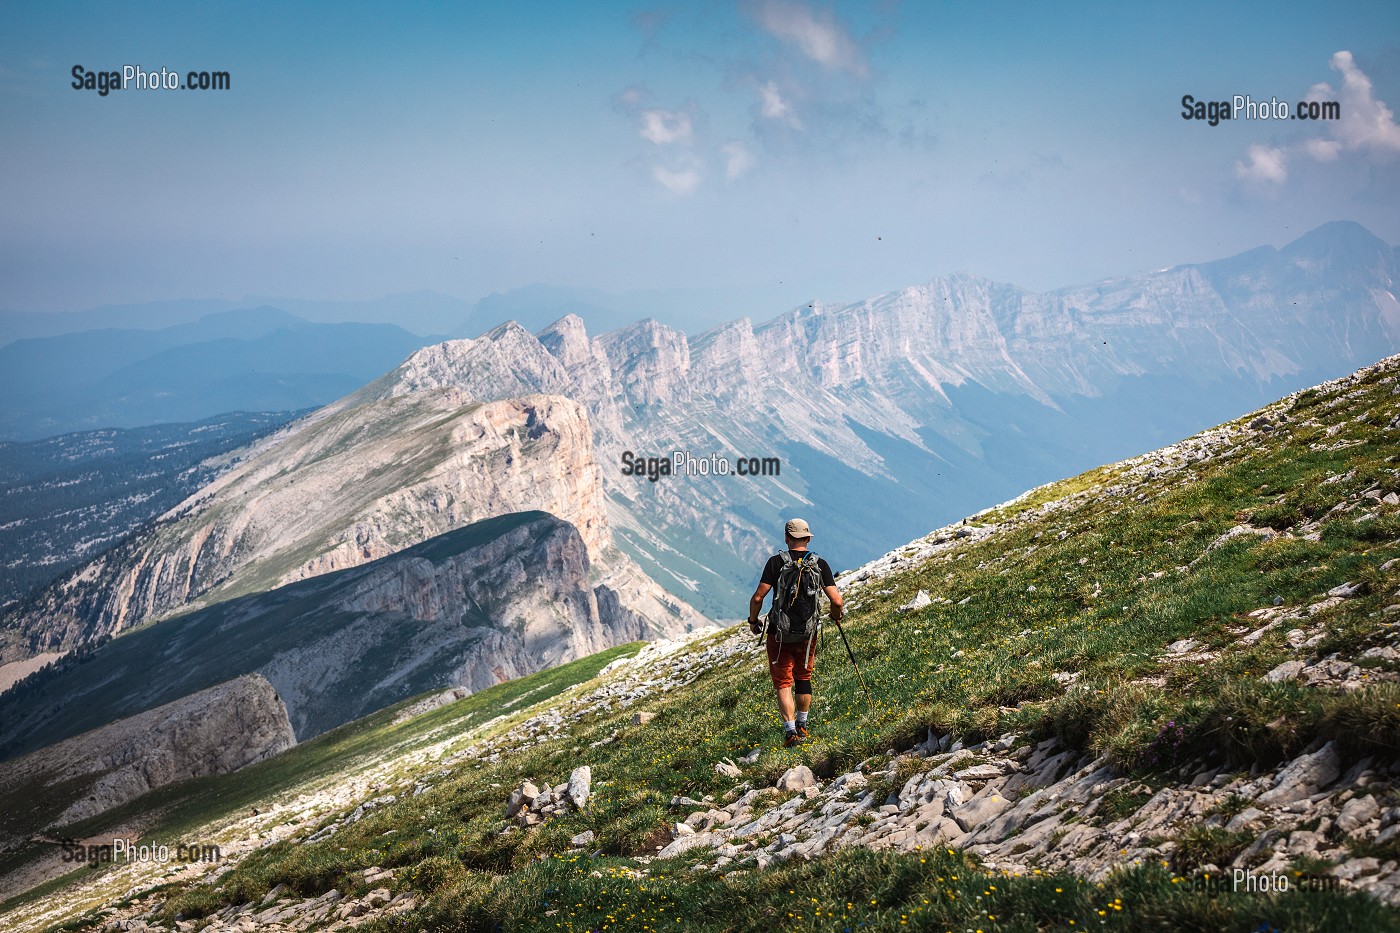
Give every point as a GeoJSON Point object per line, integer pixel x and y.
{"type": "Point", "coordinates": [789, 725]}
{"type": "Point", "coordinates": [801, 718]}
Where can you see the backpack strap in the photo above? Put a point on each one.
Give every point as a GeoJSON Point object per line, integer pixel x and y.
{"type": "Point", "coordinates": [777, 592]}
{"type": "Point", "coordinates": [810, 559]}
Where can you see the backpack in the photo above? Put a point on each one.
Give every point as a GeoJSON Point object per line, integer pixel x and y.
{"type": "Point", "coordinates": [794, 615]}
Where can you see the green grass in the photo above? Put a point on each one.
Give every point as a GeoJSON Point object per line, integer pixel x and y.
{"type": "Point", "coordinates": [1209, 845]}
{"type": "Point", "coordinates": [41, 891]}
{"type": "Point", "coordinates": [861, 890]}
{"type": "Point", "coordinates": [1100, 587]}
{"type": "Point", "coordinates": [1124, 802]}
{"type": "Point", "coordinates": [184, 808]}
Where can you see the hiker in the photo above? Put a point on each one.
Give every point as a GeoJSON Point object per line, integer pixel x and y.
{"type": "Point", "coordinates": [796, 576]}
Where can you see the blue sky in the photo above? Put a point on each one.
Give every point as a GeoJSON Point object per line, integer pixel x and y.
{"type": "Point", "coordinates": [775, 150]}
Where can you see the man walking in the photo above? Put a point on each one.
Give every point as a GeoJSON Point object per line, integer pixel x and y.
{"type": "Point", "coordinates": [795, 576]}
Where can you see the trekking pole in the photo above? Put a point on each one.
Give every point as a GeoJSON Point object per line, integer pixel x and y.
{"type": "Point", "coordinates": [852, 656]}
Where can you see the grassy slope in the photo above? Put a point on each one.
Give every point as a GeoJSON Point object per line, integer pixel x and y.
{"type": "Point", "coordinates": [186, 810]}
{"type": "Point", "coordinates": [1119, 570]}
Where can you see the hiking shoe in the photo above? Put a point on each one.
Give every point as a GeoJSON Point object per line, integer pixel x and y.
{"type": "Point", "coordinates": [790, 739]}
{"type": "Point", "coordinates": [802, 730]}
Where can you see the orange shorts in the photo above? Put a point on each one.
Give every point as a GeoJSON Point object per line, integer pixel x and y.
{"type": "Point", "coordinates": [791, 661]}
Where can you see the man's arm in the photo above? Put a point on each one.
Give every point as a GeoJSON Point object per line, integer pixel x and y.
{"type": "Point", "coordinates": [756, 605]}
{"type": "Point", "coordinates": [837, 606]}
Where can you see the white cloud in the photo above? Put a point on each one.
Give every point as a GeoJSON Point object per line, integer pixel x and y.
{"type": "Point", "coordinates": [1366, 123]}
{"type": "Point", "coordinates": [773, 106]}
{"type": "Point", "coordinates": [1367, 126]}
{"type": "Point", "coordinates": [817, 35]}
{"type": "Point", "coordinates": [1323, 150]}
{"type": "Point", "coordinates": [682, 182]}
{"type": "Point", "coordinates": [666, 126]}
{"type": "Point", "coordinates": [738, 159]}
{"type": "Point", "coordinates": [1266, 164]}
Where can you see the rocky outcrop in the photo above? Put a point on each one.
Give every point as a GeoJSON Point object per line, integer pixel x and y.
{"type": "Point", "coordinates": [495, 600]}
{"type": "Point", "coordinates": [1021, 806]}
{"type": "Point", "coordinates": [530, 806]}
{"type": "Point", "coordinates": [348, 485]}
{"type": "Point", "coordinates": [213, 731]}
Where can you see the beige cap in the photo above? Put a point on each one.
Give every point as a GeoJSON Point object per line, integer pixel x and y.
{"type": "Point", "coordinates": [797, 528]}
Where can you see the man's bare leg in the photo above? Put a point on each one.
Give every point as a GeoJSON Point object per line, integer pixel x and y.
{"type": "Point", "coordinates": [786, 706]}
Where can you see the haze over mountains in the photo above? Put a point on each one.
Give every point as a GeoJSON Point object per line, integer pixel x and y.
{"type": "Point", "coordinates": [134, 365]}
{"type": "Point", "coordinates": [913, 408]}
{"type": "Point", "coordinates": [260, 359]}
{"type": "Point", "coordinates": [892, 414]}
{"type": "Point", "coordinates": [422, 313]}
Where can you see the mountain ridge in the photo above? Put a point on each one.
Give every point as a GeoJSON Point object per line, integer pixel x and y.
{"type": "Point", "coordinates": [476, 605]}
{"type": "Point", "coordinates": [334, 489]}
{"type": "Point", "coordinates": [915, 382]}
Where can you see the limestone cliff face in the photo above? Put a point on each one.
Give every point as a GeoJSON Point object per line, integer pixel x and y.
{"type": "Point", "coordinates": [343, 487]}
{"type": "Point", "coordinates": [650, 363]}
{"type": "Point", "coordinates": [213, 731]}
{"type": "Point", "coordinates": [484, 603]}
{"type": "Point", "coordinates": [877, 389]}
{"type": "Point", "coordinates": [459, 612]}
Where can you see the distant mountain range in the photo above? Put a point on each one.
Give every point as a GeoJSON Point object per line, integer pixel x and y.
{"type": "Point", "coordinates": [258, 359]}
{"type": "Point", "coordinates": [914, 408]}
{"type": "Point", "coordinates": [135, 365]}
{"type": "Point", "coordinates": [422, 313]}
{"type": "Point", "coordinates": [425, 313]}
{"type": "Point", "coordinates": [883, 417]}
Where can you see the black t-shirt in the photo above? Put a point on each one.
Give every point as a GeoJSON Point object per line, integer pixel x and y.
{"type": "Point", "coordinates": [775, 564]}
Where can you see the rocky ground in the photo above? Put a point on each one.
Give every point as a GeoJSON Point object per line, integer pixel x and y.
{"type": "Point", "coordinates": [1019, 806]}
{"type": "Point", "coordinates": [342, 802]}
